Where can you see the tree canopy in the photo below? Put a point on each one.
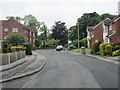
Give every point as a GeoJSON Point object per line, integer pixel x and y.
{"type": "Point", "coordinates": [15, 39]}
{"type": "Point", "coordinates": [87, 19]}
{"type": "Point", "coordinates": [59, 32]}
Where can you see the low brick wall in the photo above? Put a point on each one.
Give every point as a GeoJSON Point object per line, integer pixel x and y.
{"type": "Point", "coordinates": [10, 58]}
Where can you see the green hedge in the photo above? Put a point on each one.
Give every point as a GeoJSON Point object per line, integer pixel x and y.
{"type": "Point", "coordinates": [116, 53]}
{"type": "Point", "coordinates": [102, 49]}
{"type": "Point", "coordinates": [95, 47]}
{"type": "Point", "coordinates": [28, 49]}
{"type": "Point", "coordinates": [108, 49]}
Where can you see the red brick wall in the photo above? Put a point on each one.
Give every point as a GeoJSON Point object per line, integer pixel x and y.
{"type": "Point", "coordinates": [11, 24]}
{"type": "Point", "coordinates": [115, 27]}
{"type": "Point", "coordinates": [98, 34]}
{"type": "Point", "coordinates": [14, 24]}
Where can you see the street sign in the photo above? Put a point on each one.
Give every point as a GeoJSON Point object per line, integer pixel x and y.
{"type": "Point", "coordinates": [69, 41]}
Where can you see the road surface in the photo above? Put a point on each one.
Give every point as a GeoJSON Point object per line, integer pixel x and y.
{"type": "Point", "coordinates": [66, 70]}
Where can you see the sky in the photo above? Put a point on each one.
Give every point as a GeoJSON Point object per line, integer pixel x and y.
{"type": "Point", "coordinates": [49, 11]}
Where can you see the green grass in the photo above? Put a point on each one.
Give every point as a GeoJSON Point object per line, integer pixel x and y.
{"type": "Point", "coordinates": [5, 53]}
{"type": "Point", "coordinates": [76, 50]}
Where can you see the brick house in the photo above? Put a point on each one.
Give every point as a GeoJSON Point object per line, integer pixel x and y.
{"type": "Point", "coordinates": [107, 31]}
{"type": "Point", "coordinates": [13, 26]}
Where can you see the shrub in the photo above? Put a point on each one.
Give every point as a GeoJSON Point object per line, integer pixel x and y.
{"type": "Point", "coordinates": [83, 42]}
{"type": "Point", "coordinates": [102, 49]}
{"type": "Point", "coordinates": [116, 53]}
{"type": "Point", "coordinates": [108, 49]}
{"type": "Point", "coordinates": [35, 47]}
{"type": "Point", "coordinates": [73, 47]}
{"type": "Point", "coordinates": [117, 47]}
{"type": "Point", "coordinates": [28, 49]}
{"type": "Point", "coordinates": [95, 47]}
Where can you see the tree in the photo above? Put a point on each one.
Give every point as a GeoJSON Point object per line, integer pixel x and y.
{"type": "Point", "coordinates": [19, 19]}
{"type": "Point", "coordinates": [44, 30]}
{"type": "Point", "coordinates": [15, 39]}
{"type": "Point", "coordinates": [32, 21]}
{"type": "Point", "coordinates": [59, 32]}
{"type": "Point", "coordinates": [107, 15]}
{"type": "Point", "coordinates": [88, 19]}
{"type": "Point", "coordinates": [73, 33]}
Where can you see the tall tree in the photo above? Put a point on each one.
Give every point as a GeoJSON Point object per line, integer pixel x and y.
{"type": "Point", "coordinates": [44, 30]}
{"type": "Point", "coordinates": [73, 33]}
{"type": "Point", "coordinates": [32, 21]}
{"type": "Point", "coordinates": [59, 32]}
{"type": "Point", "coordinates": [88, 19]}
{"type": "Point", "coordinates": [17, 18]}
{"type": "Point", "coordinates": [107, 15]}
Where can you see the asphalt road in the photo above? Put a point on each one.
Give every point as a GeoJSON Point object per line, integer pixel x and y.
{"type": "Point", "coordinates": [66, 70]}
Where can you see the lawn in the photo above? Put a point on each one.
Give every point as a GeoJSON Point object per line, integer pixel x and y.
{"type": "Point", "coordinates": [5, 53]}
{"type": "Point", "coordinates": [76, 50]}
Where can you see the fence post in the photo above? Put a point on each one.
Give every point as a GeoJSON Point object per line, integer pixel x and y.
{"type": "Point", "coordinates": [16, 55]}
{"type": "Point", "coordinates": [8, 58]}
{"type": "Point", "coordinates": [21, 53]}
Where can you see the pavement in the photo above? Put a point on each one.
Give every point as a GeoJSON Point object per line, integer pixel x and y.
{"type": "Point", "coordinates": [34, 64]}
{"type": "Point", "coordinates": [114, 60]}
{"type": "Point", "coordinates": [66, 70]}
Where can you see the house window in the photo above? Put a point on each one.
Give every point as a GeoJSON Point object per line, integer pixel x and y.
{"type": "Point", "coordinates": [5, 29]}
{"type": "Point", "coordinates": [118, 39]}
{"type": "Point", "coordinates": [14, 29]}
{"type": "Point", "coordinates": [106, 29]}
{"type": "Point", "coordinates": [110, 26]}
{"type": "Point", "coordinates": [0, 45]}
{"type": "Point", "coordinates": [5, 37]}
{"type": "Point", "coordinates": [88, 32]}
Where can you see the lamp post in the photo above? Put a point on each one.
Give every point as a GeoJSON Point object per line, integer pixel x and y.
{"type": "Point", "coordinates": [78, 37]}
{"type": "Point", "coordinates": [83, 35]}
{"type": "Point", "coordinates": [68, 40]}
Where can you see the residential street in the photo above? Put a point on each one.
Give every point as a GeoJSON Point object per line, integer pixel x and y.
{"type": "Point", "coordinates": [66, 70]}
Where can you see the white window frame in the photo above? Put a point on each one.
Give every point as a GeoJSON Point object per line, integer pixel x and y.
{"type": "Point", "coordinates": [110, 27]}
{"type": "Point", "coordinates": [5, 29]}
{"type": "Point", "coordinates": [14, 29]}
{"type": "Point", "coordinates": [5, 37]}
{"type": "Point", "coordinates": [106, 29]}
{"type": "Point", "coordinates": [0, 45]}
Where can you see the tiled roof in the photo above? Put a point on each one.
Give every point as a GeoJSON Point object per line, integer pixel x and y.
{"type": "Point", "coordinates": [117, 17]}
{"type": "Point", "coordinates": [89, 28]}
{"type": "Point", "coordinates": [2, 22]}
{"type": "Point", "coordinates": [29, 28]}
{"type": "Point", "coordinates": [107, 21]}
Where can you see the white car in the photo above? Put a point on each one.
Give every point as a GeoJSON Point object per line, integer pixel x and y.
{"type": "Point", "coordinates": [59, 48]}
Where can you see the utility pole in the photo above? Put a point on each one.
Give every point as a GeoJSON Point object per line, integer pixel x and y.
{"type": "Point", "coordinates": [78, 37]}
{"type": "Point", "coordinates": [68, 40]}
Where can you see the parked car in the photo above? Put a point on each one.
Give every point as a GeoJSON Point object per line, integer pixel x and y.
{"type": "Point", "coordinates": [59, 48]}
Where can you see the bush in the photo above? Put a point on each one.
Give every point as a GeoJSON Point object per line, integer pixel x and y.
{"type": "Point", "coordinates": [28, 49]}
{"type": "Point", "coordinates": [117, 47]}
{"type": "Point", "coordinates": [102, 49]}
{"type": "Point", "coordinates": [95, 47]}
{"type": "Point", "coordinates": [116, 53]}
{"type": "Point", "coordinates": [51, 43]}
{"type": "Point", "coordinates": [35, 47]}
{"type": "Point", "coordinates": [83, 42]}
{"type": "Point", "coordinates": [108, 49]}
{"type": "Point", "coordinates": [73, 47]}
